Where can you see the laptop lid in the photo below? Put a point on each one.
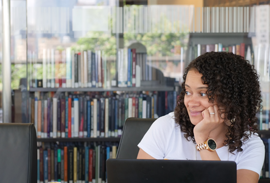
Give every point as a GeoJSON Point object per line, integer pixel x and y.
{"type": "Point", "coordinates": [170, 171]}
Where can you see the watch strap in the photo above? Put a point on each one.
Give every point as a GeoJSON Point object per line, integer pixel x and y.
{"type": "Point", "coordinates": [204, 145]}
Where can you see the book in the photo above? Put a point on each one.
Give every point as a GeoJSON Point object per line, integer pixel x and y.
{"type": "Point", "coordinates": [45, 168]}
{"type": "Point", "coordinates": [76, 117]}
{"type": "Point", "coordinates": [75, 178]}
{"type": "Point", "coordinates": [70, 164]}
{"type": "Point", "coordinates": [41, 165]}
{"type": "Point", "coordinates": [65, 164]}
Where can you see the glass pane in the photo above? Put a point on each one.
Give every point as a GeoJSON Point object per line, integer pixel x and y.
{"type": "Point", "coordinates": [18, 62]}
{"type": "Point", "coordinates": [1, 86]}
{"type": "Point", "coordinates": [125, 58]}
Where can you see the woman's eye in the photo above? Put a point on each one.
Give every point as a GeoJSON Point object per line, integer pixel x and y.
{"type": "Point", "coordinates": [203, 94]}
{"type": "Point", "coordinates": [187, 93]}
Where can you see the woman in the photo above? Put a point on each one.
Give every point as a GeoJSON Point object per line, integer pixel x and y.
{"type": "Point", "coordinates": [215, 118]}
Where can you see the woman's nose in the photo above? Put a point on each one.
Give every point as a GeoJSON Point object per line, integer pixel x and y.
{"type": "Point", "coordinates": [193, 101]}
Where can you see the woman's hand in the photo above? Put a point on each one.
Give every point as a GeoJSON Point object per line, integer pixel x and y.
{"type": "Point", "coordinates": [211, 120]}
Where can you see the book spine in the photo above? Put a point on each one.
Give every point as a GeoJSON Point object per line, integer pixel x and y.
{"type": "Point", "coordinates": [86, 164]}
{"type": "Point", "coordinates": [67, 112]}
{"type": "Point", "coordinates": [49, 165]}
{"type": "Point", "coordinates": [98, 71]}
{"type": "Point", "coordinates": [106, 117]}
{"type": "Point", "coordinates": [84, 117]}
{"type": "Point", "coordinates": [97, 68]}
{"type": "Point", "coordinates": [120, 67]}
{"type": "Point", "coordinates": [42, 118]}
{"type": "Point", "coordinates": [58, 117]}
{"type": "Point", "coordinates": [102, 117]}
{"type": "Point", "coordinates": [65, 163]}
{"type": "Point", "coordinates": [88, 118]}
{"type": "Point", "coordinates": [83, 165]}
{"type": "Point", "coordinates": [44, 61]}
{"type": "Point", "coordinates": [75, 164]}
{"type": "Point", "coordinates": [36, 116]}
{"type": "Point", "coordinates": [51, 118]}
{"type": "Point", "coordinates": [90, 171]}
{"type": "Point", "coordinates": [76, 74]}
{"type": "Point", "coordinates": [79, 67]}
{"type": "Point", "coordinates": [89, 64]}
{"type": "Point", "coordinates": [41, 166]}
{"type": "Point", "coordinates": [49, 67]}
{"type": "Point", "coordinates": [134, 67]}
{"type": "Point", "coordinates": [72, 119]}
{"type": "Point", "coordinates": [69, 116]}
{"type": "Point", "coordinates": [129, 68]}
{"type": "Point", "coordinates": [54, 117]}
{"type": "Point", "coordinates": [63, 69]}
{"type": "Point", "coordinates": [98, 117]}
{"type": "Point", "coordinates": [81, 116]}
{"type": "Point", "coordinates": [68, 68]}
{"type": "Point", "coordinates": [92, 118]}
{"type": "Point", "coordinates": [93, 59]}
{"type": "Point", "coordinates": [103, 71]}
{"type": "Point", "coordinates": [63, 117]}
{"type": "Point", "coordinates": [52, 165]}
{"type": "Point", "coordinates": [76, 117]}
{"type": "Point", "coordinates": [97, 168]}
{"type": "Point", "coordinates": [73, 57]}
{"type": "Point", "coordinates": [110, 117]}
{"type": "Point", "coordinates": [39, 132]}
{"type": "Point", "coordinates": [38, 165]}
{"type": "Point", "coordinates": [113, 118]}
{"type": "Point", "coordinates": [45, 119]}
{"type": "Point", "coordinates": [82, 75]}
{"type": "Point", "coordinates": [58, 164]}
{"type": "Point", "coordinates": [70, 164]}
{"type": "Point", "coordinates": [116, 118]}
{"type": "Point", "coordinates": [95, 118]}
{"type": "Point", "coordinates": [62, 165]}
{"type": "Point", "coordinates": [52, 69]}
{"type": "Point", "coordinates": [85, 68]}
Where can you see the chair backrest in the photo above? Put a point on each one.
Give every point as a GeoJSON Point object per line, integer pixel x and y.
{"type": "Point", "coordinates": [18, 153]}
{"type": "Point", "coordinates": [133, 131]}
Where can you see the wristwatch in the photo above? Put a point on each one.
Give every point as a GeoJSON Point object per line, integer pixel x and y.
{"type": "Point", "coordinates": [209, 144]}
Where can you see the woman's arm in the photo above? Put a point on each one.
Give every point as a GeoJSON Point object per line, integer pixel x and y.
{"type": "Point", "coordinates": [143, 155]}
{"type": "Point", "coordinates": [247, 176]}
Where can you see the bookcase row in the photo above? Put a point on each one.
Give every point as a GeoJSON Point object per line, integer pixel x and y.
{"type": "Point", "coordinates": [74, 162]}
{"type": "Point", "coordinates": [90, 69]}
{"type": "Point", "coordinates": [239, 49]}
{"type": "Point", "coordinates": [91, 115]}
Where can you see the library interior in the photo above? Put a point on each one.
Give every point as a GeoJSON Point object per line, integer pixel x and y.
{"type": "Point", "coordinates": [87, 86]}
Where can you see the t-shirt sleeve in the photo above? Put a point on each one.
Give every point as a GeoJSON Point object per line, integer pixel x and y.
{"type": "Point", "coordinates": [155, 140]}
{"type": "Point", "coordinates": [252, 157]}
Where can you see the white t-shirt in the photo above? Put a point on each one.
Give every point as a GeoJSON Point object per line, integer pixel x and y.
{"type": "Point", "coordinates": [164, 140]}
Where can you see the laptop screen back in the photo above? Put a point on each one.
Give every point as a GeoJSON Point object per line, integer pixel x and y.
{"type": "Point", "coordinates": [170, 171]}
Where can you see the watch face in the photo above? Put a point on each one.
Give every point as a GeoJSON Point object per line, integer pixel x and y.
{"type": "Point", "coordinates": [212, 144]}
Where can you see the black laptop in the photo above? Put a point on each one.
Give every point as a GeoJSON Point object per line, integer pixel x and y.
{"type": "Point", "coordinates": [170, 171]}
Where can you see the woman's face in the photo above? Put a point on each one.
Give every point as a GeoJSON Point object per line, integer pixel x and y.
{"type": "Point", "coordinates": [195, 98]}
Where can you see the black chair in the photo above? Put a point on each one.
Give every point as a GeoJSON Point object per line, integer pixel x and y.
{"type": "Point", "coordinates": [133, 131]}
{"type": "Point", "coordinates": [18, 153]}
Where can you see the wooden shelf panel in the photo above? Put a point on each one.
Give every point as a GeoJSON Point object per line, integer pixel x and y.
{"type": "Point", "coordinates": [110, 139]}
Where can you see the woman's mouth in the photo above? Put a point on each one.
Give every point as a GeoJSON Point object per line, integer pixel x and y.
{"type": "Point", "coordinates": [195, 113]}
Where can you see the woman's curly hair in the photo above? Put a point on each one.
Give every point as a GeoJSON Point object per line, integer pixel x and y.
{"type": "Point", "coordinates": [233, 83]}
